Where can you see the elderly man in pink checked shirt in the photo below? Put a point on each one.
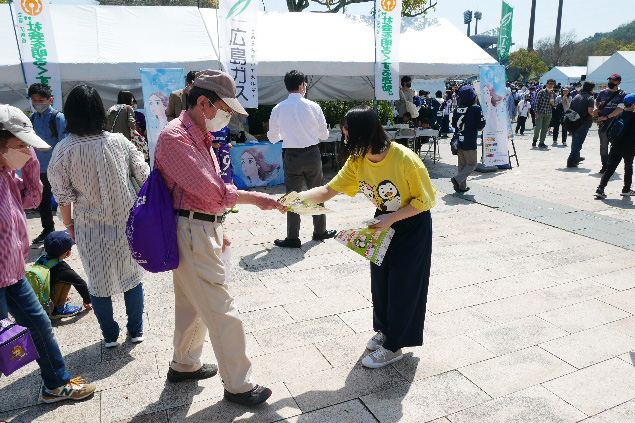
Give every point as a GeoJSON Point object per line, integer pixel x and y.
{"type": "Point", "coordinates": [17, 140]}
{"type": "Point", "coordinates": [202, 300]}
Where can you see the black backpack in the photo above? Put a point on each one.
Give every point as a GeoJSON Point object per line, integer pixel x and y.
{"type": "Point", "coordinates": [52, 122]}
{"type": "Point", "coordinates": [618, 129]}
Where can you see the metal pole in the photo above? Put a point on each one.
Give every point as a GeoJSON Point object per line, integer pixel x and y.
{"type": "Point", "coordinates": [18, 44]}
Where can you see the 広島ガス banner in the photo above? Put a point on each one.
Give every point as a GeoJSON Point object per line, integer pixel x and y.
{"type": "Point", "coordinates": [34, 30]}
{"type": "Point", "coordinates": [387, 31]}
{"type": "Point", "coordinates": [496, 134]}
{"type": "Point", "coordinates": [157, 85]}
{"type": "Point", "coordinates": [238, 25]}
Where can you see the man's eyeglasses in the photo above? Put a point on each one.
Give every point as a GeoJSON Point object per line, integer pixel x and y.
{"type": "Point", "coordinates": [230, 111]}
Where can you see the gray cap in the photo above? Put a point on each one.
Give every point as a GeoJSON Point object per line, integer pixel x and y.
{"type": "Point", "coordinates": [15, 121]}
{"type": "Point", "coordinates": [223, 85]}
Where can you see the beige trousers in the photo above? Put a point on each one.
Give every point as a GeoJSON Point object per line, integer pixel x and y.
{"type": "Point", "coordinates": [202, 302]}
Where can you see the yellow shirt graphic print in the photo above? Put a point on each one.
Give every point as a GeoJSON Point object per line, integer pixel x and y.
{"type": "Point", "coordinates": [400, 179]}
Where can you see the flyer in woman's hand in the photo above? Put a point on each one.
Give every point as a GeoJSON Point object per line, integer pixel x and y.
{"type": "Point", "coordinates": [298, 205]}
{"type": "Point", "coordinates": [371, 244]}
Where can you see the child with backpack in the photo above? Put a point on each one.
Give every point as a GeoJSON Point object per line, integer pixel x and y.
{"type": "Point", "coordinates": [51, 266]}
{"type": "Point", "coordinates": [621, 134]}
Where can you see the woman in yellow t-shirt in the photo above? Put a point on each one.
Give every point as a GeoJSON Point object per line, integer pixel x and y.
{"type": "Point", "coordinates": [395, 180]}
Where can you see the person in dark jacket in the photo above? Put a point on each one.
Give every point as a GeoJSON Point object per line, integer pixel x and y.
{"type": "Point", "coordinates": [622, 148]}
{"type": "Point", "coordinates": [467, 121]}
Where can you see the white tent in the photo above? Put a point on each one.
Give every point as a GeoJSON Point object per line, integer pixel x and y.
{"type": "Point", "coordinates": [594, 62]}
{"type": "Point", "coordinates": [96, 45]}
{"type": "Point", "coordinates": [564, 75]}
{"type": "Point", "coordinates": [622, 63]}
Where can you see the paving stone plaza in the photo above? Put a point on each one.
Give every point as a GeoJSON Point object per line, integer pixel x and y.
{"type": "Point", "coordinates": [530, 315]}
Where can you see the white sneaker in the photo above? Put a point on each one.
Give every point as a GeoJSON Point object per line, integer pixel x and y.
{"type": "Point", "coordinates": [376, 341]}
{"type": "Point", "coordinates": [381, 357]}
{"type": "Point", "coordinates": [137, 339]}
{"type": "Point", "coordinates": [630, 193]}
{"type": "Point", "coordinates": [112, 344]}
{"type": "Point", "coordinates": [554, 144]}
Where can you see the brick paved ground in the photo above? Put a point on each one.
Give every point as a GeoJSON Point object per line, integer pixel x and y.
{"type": "Point", "coordinates": [530, 316]}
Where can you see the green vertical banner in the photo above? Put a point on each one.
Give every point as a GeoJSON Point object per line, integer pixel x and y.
{"type": "Point", "coordinates": [505, 33]}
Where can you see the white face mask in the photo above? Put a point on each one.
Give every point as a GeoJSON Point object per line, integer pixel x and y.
{"type": "Point", "coordinates": [15, 158]}
{"type": "Point", "coordinates": [219, 121]}
{"type": "Point", "coordinates": [40, 107]}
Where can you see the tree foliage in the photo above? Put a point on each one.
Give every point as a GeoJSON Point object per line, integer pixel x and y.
{"type": "Point", "coordinates": [410, 8]}
{"type": "Point", "coordinates": [528, 63]}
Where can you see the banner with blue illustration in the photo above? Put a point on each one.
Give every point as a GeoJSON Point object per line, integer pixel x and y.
{"type": "Point", "coordinates": [157, 85]}
{"type": "Point", "coordinates": [257, 164]}
{"type": "Point", "coordinates": [497, 132]}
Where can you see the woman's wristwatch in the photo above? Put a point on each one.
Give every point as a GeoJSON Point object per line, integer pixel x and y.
{"type": "Point", "coordinates": [68, 225]}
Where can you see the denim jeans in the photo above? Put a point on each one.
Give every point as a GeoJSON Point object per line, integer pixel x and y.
{"type": "Point", "coordinates": [576, 145]}
{"type": "Point", "coordinates": [134, 309]}
{"type": "Point", "coordinates": [20, 300]}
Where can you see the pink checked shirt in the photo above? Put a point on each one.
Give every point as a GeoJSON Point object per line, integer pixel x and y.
{"type": "Point", "coordinates": [184, 157]}
{"type": "Point", "coordinates": [15, 195]}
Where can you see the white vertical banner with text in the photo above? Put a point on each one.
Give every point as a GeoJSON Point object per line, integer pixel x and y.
{"type": "Point", "coordinates": [34, 31]}
{"type": "Point", "coordinates": [387, 32]}
{"type": "Point", "coordinates": [497, 132]}
{"type": "Point", "coordinates": [238, 30]}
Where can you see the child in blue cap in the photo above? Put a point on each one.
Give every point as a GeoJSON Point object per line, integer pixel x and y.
{"type": "Point", "coordinates": [58, 246]}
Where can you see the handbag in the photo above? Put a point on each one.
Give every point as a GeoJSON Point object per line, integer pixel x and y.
{"type": "Point", "coordinates": [16, 347]}
{"type": "Point", "coordinates": [454, 144]}
{"type": "Point", "coordinates": [151, 226]}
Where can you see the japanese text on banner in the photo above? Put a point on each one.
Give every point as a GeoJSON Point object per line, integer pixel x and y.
{"type": "Point", "coordinates": [34, 31]}
{"type": "Point", "coordinates": [387, 31]}
{"type": "Point", "coordinates": [238, 20]}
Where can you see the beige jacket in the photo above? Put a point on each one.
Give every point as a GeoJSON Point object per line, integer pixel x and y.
{"type": "Point", "coordinates": [121, 120]}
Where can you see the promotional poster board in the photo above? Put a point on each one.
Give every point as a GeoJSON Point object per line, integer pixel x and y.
{"type": "Point", "coordinates": [34, 31]}
{"type": "Point", "coordinates": [238, 33]}
{"type": "Point", "coordinates": [387, 31]}
{"type": "Point", "coordinates": [157, 85]}
{"type": "Point", "coordinates": [497, 132]}
{"type": "Point", "coordinates": [257, 164]}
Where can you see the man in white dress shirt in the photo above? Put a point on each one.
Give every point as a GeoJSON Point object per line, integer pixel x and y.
{"type": "Point", "coordinates": [300, 124]}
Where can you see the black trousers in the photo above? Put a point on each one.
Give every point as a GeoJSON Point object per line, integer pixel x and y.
{"type": "Point", "coordinates": [303, 166]}
{"type": "Point", "coordinates": [45, 207]}
{"type": "Point", "coordinates": [556, 128]}
{"type": "Point", "coordinates": [616, 155]}
{"type": "Point", "coordinates": [533, 117]}
{"type": "Point", "coordinates": [520, 124]}
{"type": "Point", "coordinates": [400, 285]}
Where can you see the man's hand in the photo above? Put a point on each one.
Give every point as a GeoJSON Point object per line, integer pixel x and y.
{"type": "Point", "coordinates": [216, 144]}
{"type": "Point", "coordinates": [267, 202]}
{"type": "Point", "coordinates": [602, 118]}
{"type": "Point", "coordinates": [385, 221]}
{"type": "Point", "coordinates": [537, 116]}
{"type": "Point", "coordinates": [230, 146]}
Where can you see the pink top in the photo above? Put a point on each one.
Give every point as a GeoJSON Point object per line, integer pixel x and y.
{"type": "Point", "coordinates": [184, 158]}
{"type": "Point", "coordinates": [15, 195]}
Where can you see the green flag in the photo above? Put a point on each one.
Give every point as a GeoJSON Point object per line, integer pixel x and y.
{"type": "Point", "coordinates": [505, 33]}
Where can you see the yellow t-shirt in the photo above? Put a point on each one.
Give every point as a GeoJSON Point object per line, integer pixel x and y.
{"type": "Point", "coordinates": [399, 179]}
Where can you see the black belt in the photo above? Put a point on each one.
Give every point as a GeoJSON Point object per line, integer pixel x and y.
{"type": "Point", "coordinates": [200, 216]}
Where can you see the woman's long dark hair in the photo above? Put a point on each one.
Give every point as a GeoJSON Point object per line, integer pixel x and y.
{"type": "Point", "coordinates": [365, 133]}
{"type": "Point", "coordinates": [84, 112]}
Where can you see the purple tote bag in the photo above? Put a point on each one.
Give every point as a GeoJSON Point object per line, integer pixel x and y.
{"type": "Point", "coordinates": [16, 347]}
{"type": "Point", "coordinates": [151, 227]}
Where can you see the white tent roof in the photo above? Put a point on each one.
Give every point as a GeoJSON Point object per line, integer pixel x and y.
{"type": "Point", "coordinates": [98, 45]}
{"type": "Point", "coordinates": [622, 63]}
{"type": "Point", "coordinates": [564, 74]}
{"type": "Point", "coordinates": [594, 62]}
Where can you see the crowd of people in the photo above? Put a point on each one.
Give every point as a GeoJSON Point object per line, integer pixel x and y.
{"type": "Point", "coordinates": [94, 172]}
{"type": "Point", "coordinates": [556, 111]}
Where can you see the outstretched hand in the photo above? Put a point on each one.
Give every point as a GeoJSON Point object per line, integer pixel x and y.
{"type": "Point", "coordinates": [267, 202]}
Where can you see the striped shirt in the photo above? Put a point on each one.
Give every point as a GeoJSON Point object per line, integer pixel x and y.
{"type": "Point", "coordinates": [93, 173]}
{"type": "Point", "coordinates": [15, 195]}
